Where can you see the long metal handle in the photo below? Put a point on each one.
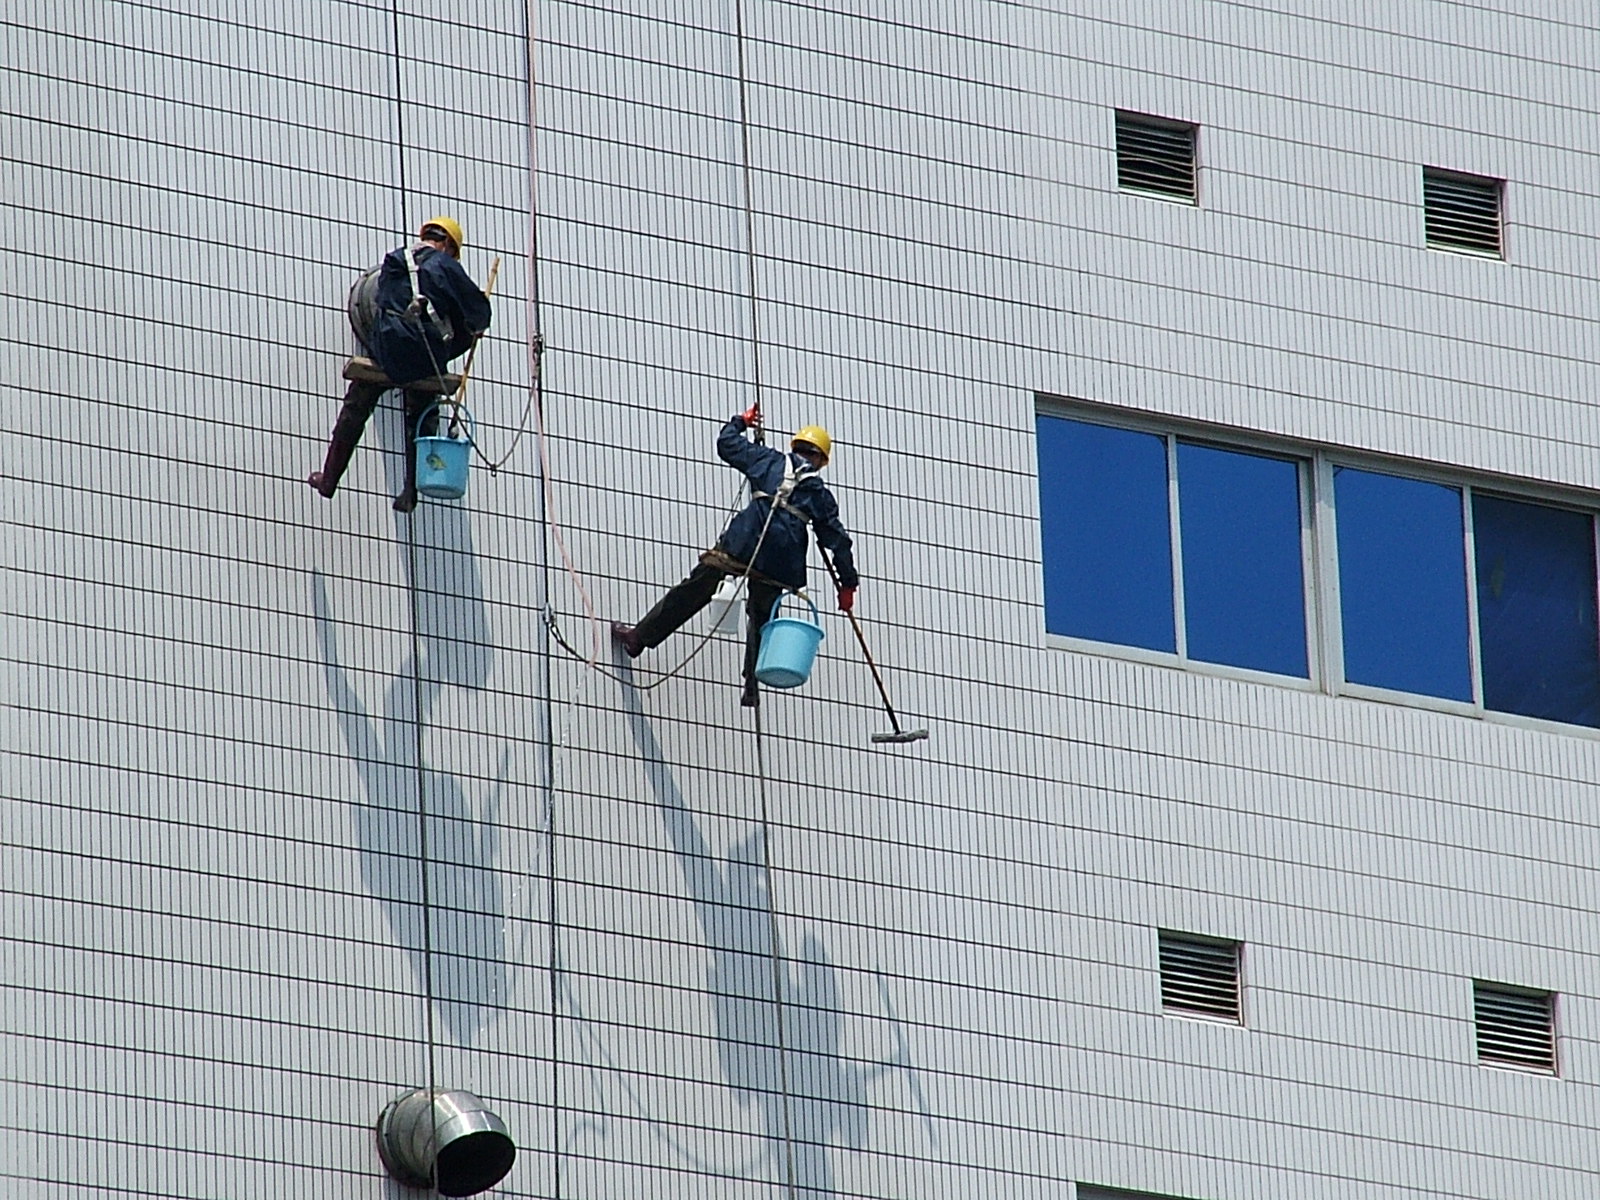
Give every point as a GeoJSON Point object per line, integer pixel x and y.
{"type": "Point", "coordinates": [860, 637]}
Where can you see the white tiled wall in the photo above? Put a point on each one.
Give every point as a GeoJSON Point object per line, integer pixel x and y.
{"type": "Point", "coordinates": [226, 699]}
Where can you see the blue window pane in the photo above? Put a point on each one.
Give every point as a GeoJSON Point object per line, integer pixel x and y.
{"type": "Point", "coordinates": [1243, 584]}
{"type": "Point", "coordinates": [1537, 633]}
{"type": "Point", "coordinates": [1107, 540]}
{"type": "Point", "coordinates": [1402, 584]}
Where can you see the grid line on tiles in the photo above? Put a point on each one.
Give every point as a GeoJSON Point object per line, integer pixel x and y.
{"type": "Point", "coordinates": [887, 1156]}
{"type": "Point", "coordinates": [1248, 799]}
{"type": "Point", "coordinates": [1149, 751]}
{"type": "Point", "coordinates": [868, 18]}
{"type": "Point", "coordinates": [1373, 153]}
{"type": "Point", "coordinates": [1132, 326]}
{"type": "Point", "coordinates": [1356, 323]}
{"type": "Point", "coordinates": [1188, 891]}
{"type": "Point", "coordinates": [1328, 359]}
{"type": "Point", "coordinates": [253, 974]}
{"type": "Point", "coordinates": [1283, 774]}
{"type": "Point", "coordinates": [1103, 182]}
{"type": "Point", "coordinates": [1190, 37]}
{"type": "Point", "coordinates": [1439, 1097]}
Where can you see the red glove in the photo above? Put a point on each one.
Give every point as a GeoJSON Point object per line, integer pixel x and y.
{"type": "Point", "coordinates": [847, 599]}
{"type": "Point", "coordinates": [751, 417]}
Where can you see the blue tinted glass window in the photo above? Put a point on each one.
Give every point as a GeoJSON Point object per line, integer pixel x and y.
{"type": "Point", "coordinates": [1402, 584]}
{"type": "Point", "coordinates": [1537, 634]}
{"type": "Point", "coordinates": [1107, 538]}
{"type": "Point", "coordinates": [1243, 581]}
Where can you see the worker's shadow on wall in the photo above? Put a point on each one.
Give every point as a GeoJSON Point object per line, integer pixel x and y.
{"type": "Point", "coordinates": [467, 907]}
{"type": "Point", "coordinates": [825, 1104]}
{"type": "Point", "coordinates": [443, 565]}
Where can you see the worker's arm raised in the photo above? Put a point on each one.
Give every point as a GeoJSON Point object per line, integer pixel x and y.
{"type": "Point", "coordinates": [739, 453]}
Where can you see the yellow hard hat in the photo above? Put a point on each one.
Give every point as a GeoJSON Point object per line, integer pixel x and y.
{"type": "Point", "coordinates": [451, 226]}
{"type": "Point", "coordinates": [817, 436]}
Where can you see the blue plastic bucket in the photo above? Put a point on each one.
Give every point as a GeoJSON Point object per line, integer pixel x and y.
{"type": "Point", "coordinates": [788, 648]}
{"type": "Point", "coordinates": [442, 460]}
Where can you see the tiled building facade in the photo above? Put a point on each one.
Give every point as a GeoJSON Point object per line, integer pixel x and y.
{"type": "Point", "coordinates": [305, 804]}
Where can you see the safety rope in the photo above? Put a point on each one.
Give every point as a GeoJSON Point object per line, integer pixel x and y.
{"type": "Point", "coordinates": [458, 401]}
{"type": "Point", "coordinates": [704, 639]}
{"type": "Point", "coordinates": [424, 893]}
{"type": "Point", "coordinates": [534, 343]}
{"type": "Point", "coordinates": [774, 934]}
{"type": "Point", "coordinates": [747, 174]}
{"type": "Point", "coordinates": [553, 533]}
{"type": "Point", "coordinates": [536, 356]}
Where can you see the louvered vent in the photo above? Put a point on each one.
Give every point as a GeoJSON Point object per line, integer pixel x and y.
{"type": "Point", "coordinates": [1462, 212]}
{"type": "Point", "coordinates": [1199, 975]}
{"type": "Point", "coordinates": [1156, 155]}
{"type": "Point", "coordinates": [1516, 1026]}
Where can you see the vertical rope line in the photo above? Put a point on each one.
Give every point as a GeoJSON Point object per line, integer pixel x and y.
{"type": "Point", "coordinates": [534, 337]}
{"type": "Point", "coordinates": [420, 741]}
{"type": "Point", "coordinates": [777, 962]}
{"type": "Point", "coordinates": [747, 175]}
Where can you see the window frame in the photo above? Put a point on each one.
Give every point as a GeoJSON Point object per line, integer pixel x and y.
{"type": "Point", "coordinates": [1171, 436]}
{"type": "Point", "coordinates": [1319, 554]}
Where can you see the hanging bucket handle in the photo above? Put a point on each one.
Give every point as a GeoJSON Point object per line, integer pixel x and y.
{"type": "Point", "coordinates": [782, 596]}
{"type": "Point", "coordinates": [460, 414]}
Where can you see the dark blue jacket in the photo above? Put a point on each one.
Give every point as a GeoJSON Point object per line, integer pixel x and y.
{"type": "Point", "coordinates": [409, 348]}
{"type": "Point", "coordinates": [783, 551]}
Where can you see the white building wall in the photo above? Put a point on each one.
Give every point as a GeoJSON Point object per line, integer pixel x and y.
{"type": "Point", "coordinates": [227, 699]}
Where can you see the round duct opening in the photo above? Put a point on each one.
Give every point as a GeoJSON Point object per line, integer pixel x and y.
{"type": "Point", "coordinates": [446, 1140]}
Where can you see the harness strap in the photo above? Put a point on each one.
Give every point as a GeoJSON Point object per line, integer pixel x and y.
{"type": "Point", "coordinates": [729, 565]}
{"type": "Point", "coordinates": [791, 478]}
{"type": "Point", "coordinates": [418, 300]}
{"type": "Point", "coordinates": [419, 306]}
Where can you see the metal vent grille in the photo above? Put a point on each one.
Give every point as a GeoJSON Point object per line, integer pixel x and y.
{"type": "Point", "coordinates": [1462, 212]}
{"type": "Point", "coordinates": [1516, 1026]}
{"type": "Point", "coordinates": [1157, 156]}
{"type": "Point", "coordinates": [1199, 975]}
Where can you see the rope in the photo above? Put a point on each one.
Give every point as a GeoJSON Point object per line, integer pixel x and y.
{"type": "Point", "coordinates": [774, 934]}
{"type": "Point", "coordinates": [705, 638]}
{"type": "Point", "coordinates": [424, 887]}
{"type": "Point", "coordinates": [747, 175]}
{"type": "Point", "coordinates": [553, 532]}
{"type": "Point", "coordinates": [458, 400]}
{"type": "Point", "coordinates": [547, 492]}
{"type": "Point", "coordinates": [534, 342]}
{"type": "Point", "coordinates": [536, 351]}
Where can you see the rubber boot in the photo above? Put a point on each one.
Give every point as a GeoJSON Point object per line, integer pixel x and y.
{"type": "Point", "coordinates": [416, 404]}
{"type": "Point", "coordinates": [627, 636]}
{"type": "Point", "coordinates": [346, 433]}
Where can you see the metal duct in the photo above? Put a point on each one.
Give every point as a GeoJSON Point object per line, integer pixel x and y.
{"type": "Point", "coordinates": [446, 1140]}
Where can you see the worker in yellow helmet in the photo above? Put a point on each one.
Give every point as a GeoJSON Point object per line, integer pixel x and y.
{"type": "Point", "coordinates": [414, 313]}
{"type": "Point", "coordinates": [767, 541]}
